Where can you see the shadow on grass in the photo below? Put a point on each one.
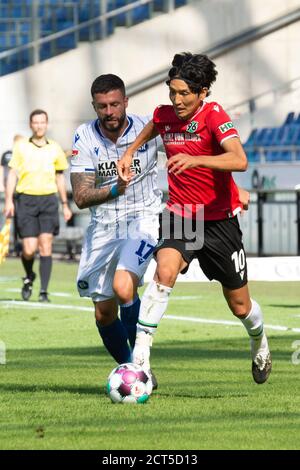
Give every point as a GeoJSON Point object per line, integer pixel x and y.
{"type": "Point", "coordinates": [55, 388]}
{"type": "Point", "coordinates": [84, 364]}
{"type": "Point", "coordinates": [284, 305]}
{"type": "Point", "coordinates": [171, 351]}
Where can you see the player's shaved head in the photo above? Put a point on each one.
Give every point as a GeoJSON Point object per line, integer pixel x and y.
{"type": "Point", "coordinates": [197, 70]}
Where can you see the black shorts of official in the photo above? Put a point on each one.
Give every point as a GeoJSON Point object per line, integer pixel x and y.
{"type": "Point", "coordinates": [36, 215]}
{"type": "Point", "coordinates": [222, 256]}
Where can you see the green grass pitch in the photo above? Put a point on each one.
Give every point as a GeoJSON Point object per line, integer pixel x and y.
{"type": "Point", "coordinates": [52, 385]}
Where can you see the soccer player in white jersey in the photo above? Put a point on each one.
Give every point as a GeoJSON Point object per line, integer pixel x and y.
{"type": "Point", "coordinates": [123, 230]}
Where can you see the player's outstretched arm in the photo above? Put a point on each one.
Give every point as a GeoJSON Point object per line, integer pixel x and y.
{"type": "Point", "coordinates": [123, 165]}
{"type": "Point", "coordinates": [86, 195]}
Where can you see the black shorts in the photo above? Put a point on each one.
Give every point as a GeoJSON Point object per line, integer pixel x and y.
{"type": "Point", "coordinates": [222, 256]}
{"type": "Point", "coordinates": [36, 215]}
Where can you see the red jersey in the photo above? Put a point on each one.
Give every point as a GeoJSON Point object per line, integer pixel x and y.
{"type": "Point", "coordinates": [202, 134]}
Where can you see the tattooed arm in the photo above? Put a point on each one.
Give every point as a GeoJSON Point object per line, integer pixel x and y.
{"type": "Point", "coordinates": [86, 195]}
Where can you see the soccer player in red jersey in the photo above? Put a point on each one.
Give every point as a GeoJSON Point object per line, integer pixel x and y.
{"type": "Point", "coordinates": [203, 148]}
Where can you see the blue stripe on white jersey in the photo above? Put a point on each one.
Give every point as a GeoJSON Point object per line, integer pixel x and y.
{"type": "Point", "coordinates": [95, 152]}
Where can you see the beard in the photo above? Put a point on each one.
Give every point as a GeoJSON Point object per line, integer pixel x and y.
{"type": "Point", "coordinates": [113, 125]}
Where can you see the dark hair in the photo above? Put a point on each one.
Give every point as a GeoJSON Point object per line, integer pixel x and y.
{"type": "Point", "coordinates": [197, 70]}
{"type": "Point", "coordinates": [106, 83]}
{"type": "Point", "coordinates": [37, 111]}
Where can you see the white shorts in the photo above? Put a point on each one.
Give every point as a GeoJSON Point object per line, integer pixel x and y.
{"type": "Point", "coordinates": [103, 254]}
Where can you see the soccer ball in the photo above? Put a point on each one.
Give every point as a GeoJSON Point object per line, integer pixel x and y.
{"type": "Point", "coordinates": [129, 383]}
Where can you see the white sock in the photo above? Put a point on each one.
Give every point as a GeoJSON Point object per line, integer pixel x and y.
{"type": "Point", "coordinates": [141, 351]}
{"type": "Point", "coordinates": [254, 322]}
{"type": "Point", "coordinates": [153, 305]}
{"type": "Point", "coordinates": [255, 328]}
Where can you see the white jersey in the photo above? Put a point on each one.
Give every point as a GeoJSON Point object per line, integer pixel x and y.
{"type": "Point", "coordinates": [95, 153]}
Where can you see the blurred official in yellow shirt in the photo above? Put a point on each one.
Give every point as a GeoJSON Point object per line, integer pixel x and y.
{"type": "Point", "coordinates": [36, 173]}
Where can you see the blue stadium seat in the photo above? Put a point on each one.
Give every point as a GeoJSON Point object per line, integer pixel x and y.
{"type": "Point", "coordinates": [260, 135]}
{"type": "Point", "coordinates": [5, 26]}
{"type": "Point", "coordinates": [3, 44]}
{"type": "Point", "coordinates": [120, 20]}
{"type": "Point", "coordinates": [84, 34]}
{"type": "Point", "coordinates": [140, 14]}
{"type": "Point", "coordinates": [12, 40]}
{"type": "Point", "coordinates": [55, 2]}
{"type": "Point", "coordinates": [25, 26]}
{"type": "Point", "coordinates": [277, 136]}
{"type": "Point", "coordinates": [285, 156]}
{"type": "Point", "coordinates": [19, 9]}
{"type": "Point", "coordinates": [289, 135]}
{"type": "Point", "coordinates": [83, 13]}
{"type": "Point", "coordinates": [251, 137]}
{"type": "Point", "coordinates": [278, 155]}
{"type": "Point", "coordinates": [16, 12]}
{"type": "Point", "coordinates": [267, 137]}
{"type": "Point", "coordinates": [24, 37]}
{"type": "Point", "coordinates": [159, 5]}
{"type": "Point", "coordinates": [15, 62]}
{"type": "Point", "coordinates": [7, 68]}
{"type": "Point", "coordinates": [162, 5]}
{"type": "Point", "coordinates": [253, 156]}
{"type": "Point", "coordinates": [290, 118]}
{"type": "Point", "coordinates": [297, 139]}
{"type": "Point", "coordinates": [4, 11]}
{"type": "Point", "coordinates": [45, 51]}
{"type": "Point", "coordinates": [134, 16]}
{"type": "Point", "coordinates": [295, 134]}
{"type": "Point", "coordinates": [271, 155]}
{"type": "Point", "coordinates": [64, 24]}
{"type": "Point", "coordinates": [66, 42]}
{"type": "Point", "coordinates": [44, 11]}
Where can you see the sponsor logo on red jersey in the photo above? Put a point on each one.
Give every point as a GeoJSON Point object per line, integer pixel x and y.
{"type": "Point", "coordinates": [180, 138]}
{"type": "Point", "coordinates": [192, 127]}
{"type": "Point", "coordinates": [225, 127]}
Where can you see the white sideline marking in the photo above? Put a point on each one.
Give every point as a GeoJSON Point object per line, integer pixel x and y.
{"type": "Point", "coordinates": [39, 305]}
{"type": "Point", "coordinates": [65, 294]}
{"type": "Point", "coordinates": [8, 278]}
{"type": "Point", "coordinates": [12, 289]}
{"type": "Point", "coordinates": [185, 297]}
{"type": "Point", "coordinates": [55, 294]}
{"type": "Point", "coordinates": [228, 323]}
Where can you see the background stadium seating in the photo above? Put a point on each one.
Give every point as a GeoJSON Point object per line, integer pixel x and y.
{"type": "Point", "coordinates": [21, 23]}
{"type": "Point", "coordinates": [273, 144]}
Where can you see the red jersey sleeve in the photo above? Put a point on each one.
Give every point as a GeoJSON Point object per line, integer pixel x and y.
{"type": "Point", "coordinates": [220, 124]}
{"type": "Point", "coordinates": [158, 115]}
{"type": "Point", "coordinates": [155, 115]}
